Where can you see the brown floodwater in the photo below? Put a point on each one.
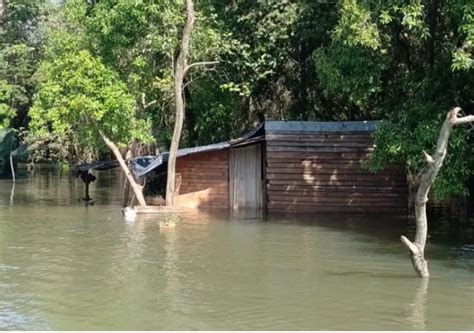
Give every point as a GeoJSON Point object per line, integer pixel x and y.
{"type": "Point", "coordinates": [64, 266]}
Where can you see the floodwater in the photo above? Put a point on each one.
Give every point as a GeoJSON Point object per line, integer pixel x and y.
{"type": "Point", "coordinates": [64, 266]}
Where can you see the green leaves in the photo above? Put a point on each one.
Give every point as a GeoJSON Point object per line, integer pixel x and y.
{"type": "Point", "coordinates": [6, 111]}
{"type": "Point", "coordinates": [81, 95]}
{"type": "Point", "coordinates": [463, 59]}
{"type": "Point", "coordinates": [407, 62]}
{"type": "Point", "coordinates": [349, 72]}
{"type": "Point", "coordinates": [355, 26]}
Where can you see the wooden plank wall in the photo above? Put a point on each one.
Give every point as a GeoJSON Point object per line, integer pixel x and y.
{"type": "Point", "coordinates": [205, 179]}
{"type": "Point", "coordinates": [316, 172]}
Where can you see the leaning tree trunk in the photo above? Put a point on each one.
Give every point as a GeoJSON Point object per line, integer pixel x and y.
{"type": "Point", "coordinates": [427, 177]}
{"type": "Point", "coordinates": [180, 71]}
{"type": "Point", "coordinates": [137, 188]}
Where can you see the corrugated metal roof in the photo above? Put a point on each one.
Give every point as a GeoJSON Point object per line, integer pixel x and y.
{"type": "Point", "coordinates": [272, 126]}
{"type": "Point", "coordinates": [161, 159]}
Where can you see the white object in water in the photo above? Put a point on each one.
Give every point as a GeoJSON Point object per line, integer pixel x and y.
{"type": "Point", "coordinates": [129, 212]}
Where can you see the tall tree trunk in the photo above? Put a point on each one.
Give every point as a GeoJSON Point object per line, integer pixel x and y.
{"type": "Point", "coordinates": [3, 7]}
{"type": "Point", "coordinates": [180, 71]}
{"type": "Point", "coordinates": [427, 177]}
{"type": "Point", "coordinates": [137, 188]}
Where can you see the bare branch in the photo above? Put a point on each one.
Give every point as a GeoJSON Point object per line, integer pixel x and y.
{"type": "Point", "coordinates": [188, 83]}
{"type": "Point", "coordinates": [202, 63]}
{"type": "Point", "coordinates": [464, 120]}
{"type": "Point", "coordinates": [147, 105]}
{"type": "Point", "coordinates": [150, 104]}
{"type": "Point", "coordinates": [137, 188]}
{"type": "Point", "coordinates": [428, 158]}
{"type": "Point", "coordinates": [411, 246]}
{"type": "Point", "coordinates": [454, 119]}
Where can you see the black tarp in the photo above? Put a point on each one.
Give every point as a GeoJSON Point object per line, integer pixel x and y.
{"type": "Point", "coordinates": [142, 165]}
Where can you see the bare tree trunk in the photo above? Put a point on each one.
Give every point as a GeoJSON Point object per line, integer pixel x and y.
{"type": "Point", "coordinates": [180, 71]}
{"type": "Point", "coordinates": [137, 188]}
{"type": "Point", "coordinates": [126, 184]}
{"type": "Point", "coordinates": [3, 5]}
{"type": "Point", "coordinates": [427, 177]}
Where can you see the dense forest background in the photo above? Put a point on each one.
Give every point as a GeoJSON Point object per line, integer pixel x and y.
{"type": "Point", "coordinates": [65, 64]}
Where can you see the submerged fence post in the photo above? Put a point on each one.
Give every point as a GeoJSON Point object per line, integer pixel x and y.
{"type": "Point", "coordinates": [12, 167]}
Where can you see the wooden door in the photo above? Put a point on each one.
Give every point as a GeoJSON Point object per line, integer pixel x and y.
{"type": "Point", "coordinates": [246, 177]}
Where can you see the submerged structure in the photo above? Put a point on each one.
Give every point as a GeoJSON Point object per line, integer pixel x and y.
{"type": "Point", "coordinates": [288, 166]}
{"type": "Point", "coordinates": [280, 166]}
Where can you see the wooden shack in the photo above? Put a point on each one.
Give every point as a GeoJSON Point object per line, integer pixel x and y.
{"type": "Point", "coordinates": [318, 167]}
{"type": "Point", "coordinates": [205, 179]}
{"type": "Point", "coordinates": [307, 167]}
{"type": "Point", "coordinates": [225, 174]}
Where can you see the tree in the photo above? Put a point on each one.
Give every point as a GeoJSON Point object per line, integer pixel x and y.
{"type": "Point", "coordinates": [20, 49]}
{"type": "Point", "coordinates": [258, 58]}
{"type": "Point", "coordinates": [2, 10]}
{"type": "Point", "coordinates": [426, 179]}
{"type": "Point", "coordinates": [404, 62]}
{"type": "Point", "coordinates": [81, 98]}
{"type": "Point", "coordinates": [181, 67]}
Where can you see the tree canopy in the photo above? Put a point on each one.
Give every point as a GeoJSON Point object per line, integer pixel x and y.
{"type": "Point", "coordinates": [79, 96]}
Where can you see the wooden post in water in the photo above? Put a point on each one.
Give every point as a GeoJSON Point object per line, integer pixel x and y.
{"type": "Point", "coordinates": [12, 167]}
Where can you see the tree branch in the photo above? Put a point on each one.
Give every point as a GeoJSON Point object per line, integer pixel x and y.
{"type": "Point", "coordinates": [137, 188]}
{"type": "Point", "coordinates": [201, 63]}
{"type": "Point", "coordinates": [464, 120]}
{"type": "Point", "coordinates": [412, 247]}
{"type": "Point", "coordinates": [428, 157]}
{"type": "Point", "coordinates": [149, 104]}
{"type": "Point", "coordinates": [454, 119]}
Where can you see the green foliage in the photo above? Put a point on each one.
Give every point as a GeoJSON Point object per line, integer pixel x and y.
{"type": "Point", "coordinates": [80, 96]}
{"type": "Point", "coordinates": [6, 112]}
{"type": "Point", "coordinates": [19, 54]}
{"type": "Point", "coordinates": [258, 45]}
{"type": "Point", "coordinates": [405, 141]}
{"type": "Point", "coordinates": [462, 57]}
{"type": "Point", "coordinates": [352, 73]}
{"type": "Point", "coordinates": [401, 59]}
{"type": "Point", "coordinates": [139, 40]}
{"type": "Point", "coordinates": [355, 27]}
{"type": "Point", "coordinates": [214, 114]}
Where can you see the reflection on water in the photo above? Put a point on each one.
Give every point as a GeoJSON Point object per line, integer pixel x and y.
{"type": "Point", "coordinates": [417, 310]}
{"type": "Point", "coordinates": [64, 266]}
